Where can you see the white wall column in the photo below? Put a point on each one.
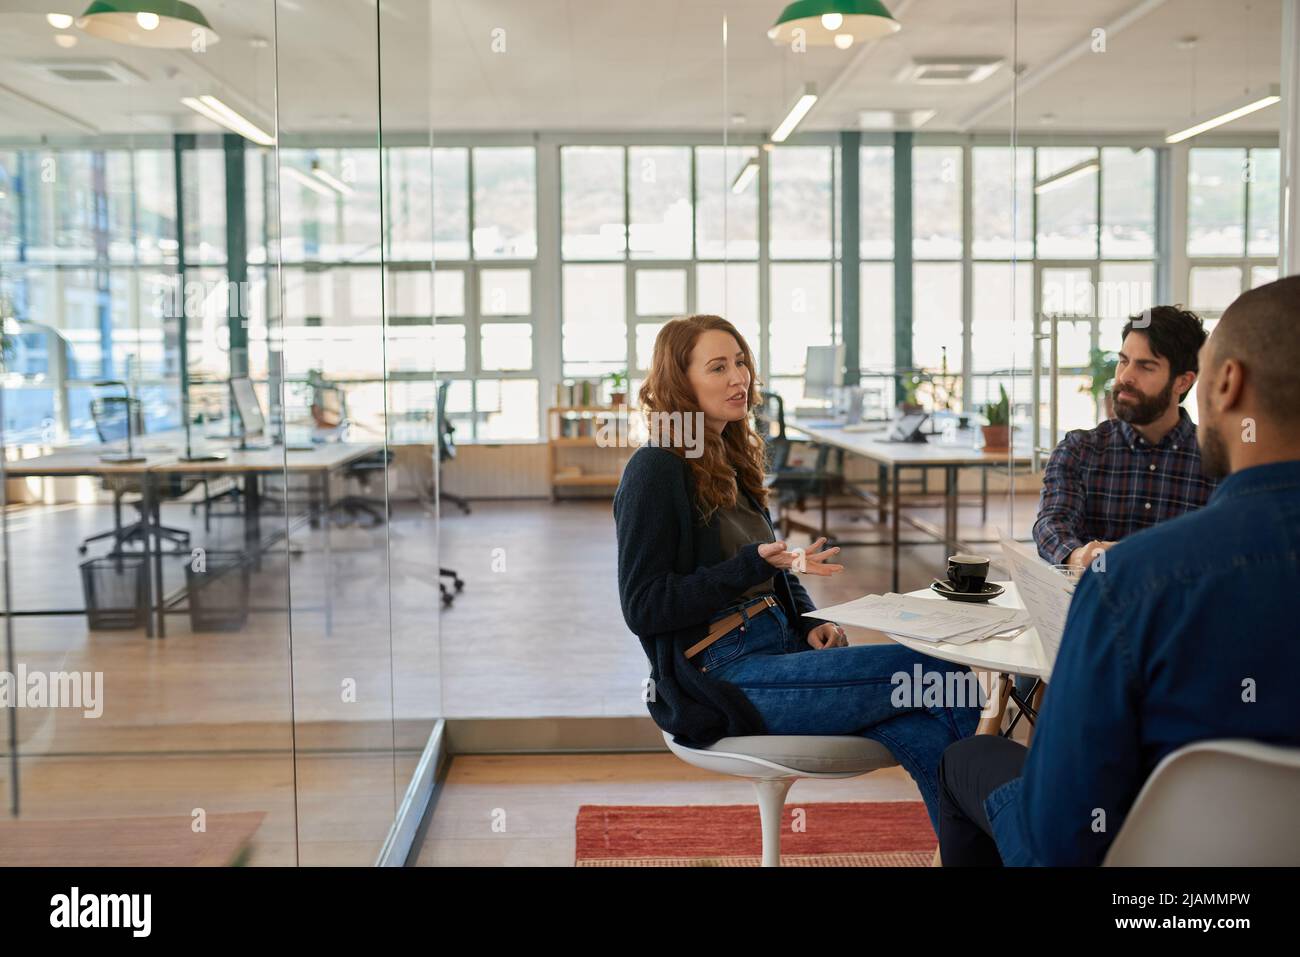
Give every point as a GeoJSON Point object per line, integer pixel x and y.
{"type": "Point", "coordinates": [1289, 140]}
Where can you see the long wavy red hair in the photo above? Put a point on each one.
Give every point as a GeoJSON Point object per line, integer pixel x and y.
{"type": "Point", "coordinates": [735, 457]}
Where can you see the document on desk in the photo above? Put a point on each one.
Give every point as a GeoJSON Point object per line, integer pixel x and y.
{"type": "Point", "coordinates": [923, 618]}
{"type": "Point", "coordinates": [1045, 592]}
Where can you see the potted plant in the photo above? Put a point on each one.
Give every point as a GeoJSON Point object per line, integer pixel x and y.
{"type": "Point", "coordinates": [910, 402]}
{"type": "Point", "coordinates": [618, 388]}
{"type": "Point", "coordinates": [997, 434]}
{"type": "Point", "coordinates": [1101, 372]}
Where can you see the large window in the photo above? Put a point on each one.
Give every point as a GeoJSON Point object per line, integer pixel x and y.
{"type": "Point", "coordinates": [649, 233]}
{"type": "Point", "coordinates": [1232, 224]}
{"type": "Point", "coordinates": [470, 321]}
{"type": "Point", "coordinates": [88, 250]}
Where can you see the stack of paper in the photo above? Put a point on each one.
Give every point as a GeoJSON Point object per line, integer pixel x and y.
{"type": "Point", "coordinates": [924, 618]}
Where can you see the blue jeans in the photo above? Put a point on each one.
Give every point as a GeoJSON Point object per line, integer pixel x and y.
{"type": "Point", "coordinates": [801, 690]}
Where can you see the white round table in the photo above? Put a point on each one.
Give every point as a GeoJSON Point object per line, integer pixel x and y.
{"type": "Point", "coordinates": [1021, 655]}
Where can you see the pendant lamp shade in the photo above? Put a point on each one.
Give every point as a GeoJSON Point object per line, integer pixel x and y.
{"type": "Point", "coordinates": [823, 21]}
{"type": "Point", "coordinates": [169, 24]}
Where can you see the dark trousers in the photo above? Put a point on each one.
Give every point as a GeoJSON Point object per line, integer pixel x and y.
{"type": "Point", "coordinates": [971, 770]}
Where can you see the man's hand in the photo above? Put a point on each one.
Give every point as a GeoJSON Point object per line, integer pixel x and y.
{"type": "Point", "coordinates": [1084, 555]}
{"type": "Point", "coordinates": [828, 635]}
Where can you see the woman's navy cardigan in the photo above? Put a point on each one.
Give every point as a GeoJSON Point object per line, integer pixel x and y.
{"type": "Point", "coordinates": [672, 579]}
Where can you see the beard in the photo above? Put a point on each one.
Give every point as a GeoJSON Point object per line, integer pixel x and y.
{"type": "Point", "coordinates": [1145, 409]}
{"type": "Point", "coordinates": [1214, 452]}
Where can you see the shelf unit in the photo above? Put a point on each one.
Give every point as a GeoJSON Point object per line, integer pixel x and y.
{"type": "Point", "coordinates": [606, 465]}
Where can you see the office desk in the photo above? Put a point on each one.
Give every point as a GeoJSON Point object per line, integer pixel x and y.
{"type": "Point", "coordinates": [892, 457]}
{"type": "Point", "coordinates": [320, 463]}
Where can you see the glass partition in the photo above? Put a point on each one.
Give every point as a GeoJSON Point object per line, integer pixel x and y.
{"type": "Point", "coordinates": [220, 535]}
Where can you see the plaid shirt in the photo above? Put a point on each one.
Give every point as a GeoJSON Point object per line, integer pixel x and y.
{"type": "Point", "coordinates": [1106, 483]}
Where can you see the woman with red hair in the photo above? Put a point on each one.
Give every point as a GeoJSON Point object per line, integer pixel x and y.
{"type": "Point", "coordinates": [708, 589]}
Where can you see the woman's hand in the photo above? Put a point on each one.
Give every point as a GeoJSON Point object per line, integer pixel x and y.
{"type": "Point", "coordinates": [818, 561]}
{"type": "Point", "coordinates": [828, 635]}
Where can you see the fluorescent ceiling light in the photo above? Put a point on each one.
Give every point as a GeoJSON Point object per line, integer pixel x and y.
{"type": "Point", "coordinates": [1067, 175]}
{"type": "Point", "coordinates": [1250, 103]}
{"type": "Point", "coordinates": [330, 180]}
{"type": "Point", "coordinates": [60, 21]}
{"type": "Point", "coordinates": [807, 99]}
{"type": "Point", "coordinates": [311, 182]}
{"type": "Point", "coordinates": [222, 115]}
{"type": "Point", "coordinates": [745, 177]}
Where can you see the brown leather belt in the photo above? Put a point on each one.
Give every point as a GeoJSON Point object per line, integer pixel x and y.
{"type": "Point", "coordinates": [731, 621]}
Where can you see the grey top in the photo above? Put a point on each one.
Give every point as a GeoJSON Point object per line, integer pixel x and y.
{"type": "Point", "coordinates": [740, 526]}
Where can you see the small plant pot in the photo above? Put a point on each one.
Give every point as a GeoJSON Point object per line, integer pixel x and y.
{"type": "Point", "coordinates": [997, 438]}
{"type": "Point", "coordinates": [618, 398]}
{"type": "Point", "coordinates": [910, 408]}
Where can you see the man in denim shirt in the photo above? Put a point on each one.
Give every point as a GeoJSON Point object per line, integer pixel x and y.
{"type": "Point", "coordinates": [1187, 633]}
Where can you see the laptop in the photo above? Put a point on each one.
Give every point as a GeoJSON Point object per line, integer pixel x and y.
{"type": "Point", "coordinates": [906, 427]}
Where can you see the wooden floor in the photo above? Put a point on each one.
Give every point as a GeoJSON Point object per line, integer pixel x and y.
{"type": "Point", "coordinates": [264, 718]}
{"type": "Point", "coordinates": [520, 809]}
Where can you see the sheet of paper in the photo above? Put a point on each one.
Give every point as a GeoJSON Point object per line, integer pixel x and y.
{"type": "Point", "coordinates": [1045, 592]}
{"type": "Point", "coordinates": [921, 618]}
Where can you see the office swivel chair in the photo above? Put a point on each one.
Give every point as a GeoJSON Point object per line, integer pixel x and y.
{"type": "Point", "coordinates": [110, 417]}
{"type": "Point", "coordinates": [792, 484]}
{"type": "Point", "coordinates": [447, 445]}
{"type": "Point", "coordinates": [329, 410]}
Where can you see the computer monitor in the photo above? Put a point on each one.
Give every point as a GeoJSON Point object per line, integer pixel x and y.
{"type": "Point", "coordinates": [246, 404]}
{"type": "Point", "coordinates": [823, 371]}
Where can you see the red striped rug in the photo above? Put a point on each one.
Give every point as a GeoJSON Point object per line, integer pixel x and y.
{"type": "Point", "coordinates": [816, 834]}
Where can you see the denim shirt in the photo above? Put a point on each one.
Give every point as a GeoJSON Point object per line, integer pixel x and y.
{"type": "Point", "coordinates": [1190, 633]}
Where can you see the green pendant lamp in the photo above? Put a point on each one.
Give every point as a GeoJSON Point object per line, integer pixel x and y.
{"type": "Point", "coordinates": [168, 24]}
{"type": "Point", "coordinates": [839, 23]}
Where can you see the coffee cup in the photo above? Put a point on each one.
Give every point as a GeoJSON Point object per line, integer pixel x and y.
{"type": "Point", "coordinates": [967, 573]}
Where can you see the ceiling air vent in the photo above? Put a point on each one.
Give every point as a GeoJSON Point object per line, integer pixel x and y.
{"type": "Point", "coordinates": [949, 71]}
{"type": "Point", "coordinates": [97, 72]}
